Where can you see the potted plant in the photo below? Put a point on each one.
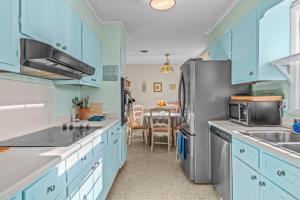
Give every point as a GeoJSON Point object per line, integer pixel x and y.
{"type": "Point", "coordinates": [82, 108]}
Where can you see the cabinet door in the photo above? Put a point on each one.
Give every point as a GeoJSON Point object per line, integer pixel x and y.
{"type": "Point", "coordinates": [221, 49]}
{"type": "Point", "coordinates": [124, 143]}
{"type": "Point", "coordinates": [9, 43]}
{"type": "Point", "coordinates": [95, 79]}
{"type": "Point", "coordinates": [245, 50]}
{"type": "Point", "coordinates": [269, 191]}
{"type": "Point", "coordinates": [88, 47]}
{"type": "Point", "coordinates": [245, 181]}
{"type": "Point", "coordinates": [274, 37]}
{"type": "Point", "coordinates": [39, 20]}
{"type": "Point", "coordinates": [70, 30]}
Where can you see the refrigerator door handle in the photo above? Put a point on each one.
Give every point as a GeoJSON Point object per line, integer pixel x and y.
{"type": "Point", "coordinates": [181, 90]}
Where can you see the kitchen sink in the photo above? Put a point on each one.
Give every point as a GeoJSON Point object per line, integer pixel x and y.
{"type": "Point", "coordinates": [291, 146]}
{"type": "Point", "coordinates": [274, 136]}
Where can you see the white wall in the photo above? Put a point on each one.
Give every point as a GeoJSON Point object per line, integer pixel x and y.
{"type": "Point", "coordinates": [151, 73]}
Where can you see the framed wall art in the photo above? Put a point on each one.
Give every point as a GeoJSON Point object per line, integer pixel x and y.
{"type": "Point", "coordinates": [157, 87]}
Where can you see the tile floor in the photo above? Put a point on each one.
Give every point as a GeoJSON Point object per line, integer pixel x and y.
{"type": "Point", "coordinates": [155, 176]}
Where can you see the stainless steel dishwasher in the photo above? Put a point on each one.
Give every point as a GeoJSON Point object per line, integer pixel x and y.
{"type": "Point", "coordinates": [221, 162]}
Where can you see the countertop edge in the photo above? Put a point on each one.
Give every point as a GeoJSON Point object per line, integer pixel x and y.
{"type": "Point", "coordinates": [287, 156]}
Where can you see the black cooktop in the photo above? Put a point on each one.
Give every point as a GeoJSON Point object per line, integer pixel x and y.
{"type": "Point", "coordinates": [52, 137]}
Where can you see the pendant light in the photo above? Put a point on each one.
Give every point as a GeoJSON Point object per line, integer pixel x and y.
{"type": "Point", "coordinates": [162, 4]}
{"type": "Point", "coordinates": [166, 68]}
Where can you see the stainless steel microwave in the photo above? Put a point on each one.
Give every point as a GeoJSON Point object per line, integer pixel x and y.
{"type": "Point", "coordinates": [255, 113]}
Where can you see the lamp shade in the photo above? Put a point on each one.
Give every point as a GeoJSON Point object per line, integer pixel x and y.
{"type": "Point", "coordinates": [162, 4]}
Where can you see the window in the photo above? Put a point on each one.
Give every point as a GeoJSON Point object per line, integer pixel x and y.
{"type": "Point", "coordinates": [295, 69]}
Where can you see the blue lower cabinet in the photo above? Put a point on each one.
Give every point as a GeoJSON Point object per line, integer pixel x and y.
{"type": "Point", "coordinates": [98, 188]}
{"type": "Point", "coordinates": [49, 186]}
{"type": "Point", "coordinates": [85, 189]}
{"type": "Point", "coordinates": [245, 181]}
{"type": "Point", "coordinates": [123, 144]}
{"type": "Point", "coordinates": [270, 191]}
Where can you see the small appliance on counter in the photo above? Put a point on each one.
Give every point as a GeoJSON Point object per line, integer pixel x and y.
{"type": "Point", "coordinates": [255, 110]}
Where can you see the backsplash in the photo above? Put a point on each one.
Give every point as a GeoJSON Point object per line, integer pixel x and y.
{"type": "Point", "coordinates": [54, 105]}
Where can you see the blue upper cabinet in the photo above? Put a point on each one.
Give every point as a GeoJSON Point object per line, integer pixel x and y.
{"type": "Point", "coordinates": [274, 38]}
{"type": "Point", "coordinates": [70, 30]}
{"type": "Point", "coordinates": [39, 22]}
{"type": "Point", "coordinates": [221, 49]}
{"type": "Point", "coordinates": [258, 39]}
{"type": "Point", "coordinates": [244, 50]}
{"type": "Point", "coordinates": [62, 30]}
{"type": "Point", "coordinates": [9, 43]}
{"type": "Point", "coordinates": [91, 55]}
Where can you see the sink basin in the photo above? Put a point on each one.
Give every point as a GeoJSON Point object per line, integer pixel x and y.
{"type": "Point", "coordinates": [291, 146]}
{"type": "Point", "coordinates": [274, 136]}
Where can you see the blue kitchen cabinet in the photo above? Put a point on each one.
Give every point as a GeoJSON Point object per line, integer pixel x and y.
{"type": "Point", "coordinates": [39, 21]}
{"type": "Point", "coordinates": [270, 191]}
{"type": "Point", "coordinates": [17, 196]}
{"type": "Point", "coordinates": [90, 54]}
{"type": "Point", "coordinates": [123, 144]}
{"type": "Point", "coordinates": [260, 38]}
{"type": "Point", "coordinates": [221, 49]}
{"type": "Point", "coordinates": [245, 181]}
{"type": "Point", "coordinates": [244, 50]}
{"type": "Point", "coordinates": [274, 37]}
{"type": "Point", "coordinates": [69, 33]}
{"type": "Point", "coordinates": [62, 30]}
{"type": "Point", "coordinates": [9, 42]}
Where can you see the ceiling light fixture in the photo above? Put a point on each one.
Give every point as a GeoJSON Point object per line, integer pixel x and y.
{"type": "Point", "coordinates": [166, 68]}
{"type": "Point", "coordinates": [162, 4]}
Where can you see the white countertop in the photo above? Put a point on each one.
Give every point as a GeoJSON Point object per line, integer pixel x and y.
{"type": "Point", "coordinates": [233, 129]}
{"type": "Point", "coordinates": [19, 167]}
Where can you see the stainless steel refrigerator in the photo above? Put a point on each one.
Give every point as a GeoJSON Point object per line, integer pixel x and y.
{"type": "Point", "coordinates": [204, 91]}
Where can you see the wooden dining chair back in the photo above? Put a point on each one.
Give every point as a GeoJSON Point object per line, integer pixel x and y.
{"type": "Point", "coordinates": [160, 122]}
{"type": "Point", "coordinates": [136, 126]}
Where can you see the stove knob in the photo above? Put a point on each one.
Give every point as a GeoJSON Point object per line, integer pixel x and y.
{"type": "Point", "coordinates": [88, 127]}
{"type": "Point", "coordinates": [81, 127]}
{"type": "Point", "coordinates": [64, 127]}
{"type": "Point", "coordinates": [71, 127]}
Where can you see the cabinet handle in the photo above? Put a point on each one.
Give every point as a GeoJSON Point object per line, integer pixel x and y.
{"type": "Point", "coordinates": [253, 177]}
{"type": "Point", "coordinates": [262, 184]}
{"type": "Point", "coordinates": [50, 189]}
{"type": "Point", "coordinates": [84, 197]}
{"type": "Point", "coordinates": [64, 47]}
{"type": "Point", "coordinates": [58, 44]}
{"type": "Point", "coordinates": [242, 150]}
{"type": "Point", "coordinates": [281, 173]}
{"type": "Point", "coordinates": [251, 73]}
{"type": "Point", "coordinates": [102, 142]}
{"type": "Point", "coordinates": [116, 141]}
{"type": "Point", "coordinates": [83, 158]}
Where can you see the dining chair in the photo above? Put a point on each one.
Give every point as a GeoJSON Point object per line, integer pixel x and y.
{"type": "Point", "coordinates": [160, 122]}
{"type": "Point", "coordinates": [136, 126]}
{"type": "Point", "coordinates": [138, 108]}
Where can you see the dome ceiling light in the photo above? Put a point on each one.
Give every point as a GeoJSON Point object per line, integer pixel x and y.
{"type": "Point", "coordinates": [162, 4]}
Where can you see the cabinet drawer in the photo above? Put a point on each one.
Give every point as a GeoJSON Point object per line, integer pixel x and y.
{"type": "Point", "coordinates": [98, 169]}
{"type": "Point", "coordinates": [75, 186]}
{"type": "Point", "coordinates": [98, 187]}
{"type": "Point", "coordinates": [111, 135]}
{"type": "Point", "coordinates": [99, 144]}
{"type": "Point", "coordinates": [283, 174]}
{"type": "Point", "coordinates": [246, 153]}
{"type": "Point", "coordinates": [86, 188]}
{"type": "Point", "coordinates": [48, 187]}
{"type": "Point", "coordinates": [77, 162]}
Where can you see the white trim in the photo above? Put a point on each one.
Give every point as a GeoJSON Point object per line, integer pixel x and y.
{"type": "Point", "coordinates": [93, 11]}
{"type": "Point", "coordinates": [222, 17]}
{"type": "Point", "coordinates": [89, 5]}
{"type": "Point", "coordinates": [295, 71]}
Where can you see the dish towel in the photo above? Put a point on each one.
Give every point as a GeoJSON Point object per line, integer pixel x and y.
{"type": "Point", "coordinates": [182, 147]}
{"type": "Point", "coordinates": [296, 128]}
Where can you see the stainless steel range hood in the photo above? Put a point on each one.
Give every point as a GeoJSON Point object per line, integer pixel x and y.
{"type": "Point", "coordinates": [42, 60]}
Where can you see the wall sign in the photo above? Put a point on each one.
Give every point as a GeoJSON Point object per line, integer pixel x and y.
{"type": "Point", "coordinates": [110, 73]}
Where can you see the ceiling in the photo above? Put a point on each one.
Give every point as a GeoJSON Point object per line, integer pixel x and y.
{"type": "Point", "coordinates": [182, 31]}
